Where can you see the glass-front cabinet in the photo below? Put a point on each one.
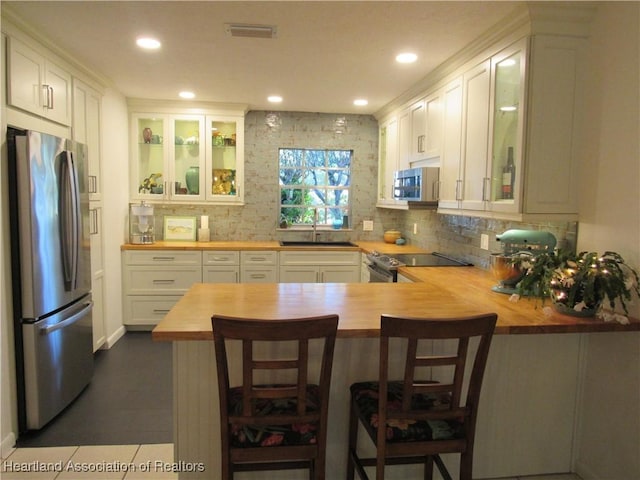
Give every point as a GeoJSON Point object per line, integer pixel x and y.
{"type": "Point", "coordinates": [187, 158]}
{"type": "Point", "coordinates": [225, 148]}
{"type": "Point", "coordinates": [507, 100]}
{"type": "Point", "coordinates": [149, 135]}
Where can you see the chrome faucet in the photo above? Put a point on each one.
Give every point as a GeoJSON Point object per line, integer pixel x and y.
{"type": "Point", "coordinates": [315, 233]}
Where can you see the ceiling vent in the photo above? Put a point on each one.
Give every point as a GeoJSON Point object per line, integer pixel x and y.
{"type": "Point", "coordinates": [251, 31]}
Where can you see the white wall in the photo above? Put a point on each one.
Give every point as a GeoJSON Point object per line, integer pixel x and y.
{"type": "Point", "coordinates": [609, 420]}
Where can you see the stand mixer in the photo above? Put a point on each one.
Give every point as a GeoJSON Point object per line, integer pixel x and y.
{"type": "Point", "coordinates": [517, 243]}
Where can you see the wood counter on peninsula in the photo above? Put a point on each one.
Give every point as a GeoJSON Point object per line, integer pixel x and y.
{"type": "Point", "coordinates": [540, 366]}
{"type": "Point", "coordinates": [441, 291]}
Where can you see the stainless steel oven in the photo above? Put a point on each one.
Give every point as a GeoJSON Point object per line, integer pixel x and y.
{"type": "Point", "coordinates": [384, 268]}
{"type": "Point", "coordinates": [378, 275]}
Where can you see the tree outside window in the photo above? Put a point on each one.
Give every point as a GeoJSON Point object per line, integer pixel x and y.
{"type": "Point", "coordinates": [314, 183]}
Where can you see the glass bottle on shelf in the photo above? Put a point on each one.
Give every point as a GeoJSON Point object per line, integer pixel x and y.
{"type": "Point", "coordinates": [506, 125]}
{"type": "Point", "coordinates": [508, 176]}
{"type": "Point", "coordinates": [150, 156]}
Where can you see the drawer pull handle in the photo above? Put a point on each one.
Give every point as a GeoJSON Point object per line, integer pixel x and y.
{"type": "Point", "coordinates": [258, 259]}
{"type": "Point", "coordinates": [164, 259]}
{"type": "Point", "coordinates": [161, 281]}
{"type": "Point", "coordinates": [258, 275]}
{"type": "Point", "coordinates": [220, 259]}
{"type": "Point", "coordinates": [159, 311]}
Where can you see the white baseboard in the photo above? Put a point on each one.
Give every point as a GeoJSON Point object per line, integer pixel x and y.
{"type": "Point", "coordinates": [114, 337]}
{"type": "Point", "coordinates": [8, 445]}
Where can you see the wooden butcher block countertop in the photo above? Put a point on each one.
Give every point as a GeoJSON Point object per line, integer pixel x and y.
{"type": "Point", "coordinates": [439, 292]}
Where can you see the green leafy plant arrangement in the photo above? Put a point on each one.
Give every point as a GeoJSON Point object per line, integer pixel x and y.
{"type": "Point", "coordinates": [578, 282]}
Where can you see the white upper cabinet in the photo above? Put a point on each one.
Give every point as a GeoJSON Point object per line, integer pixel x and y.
{"type": "Point", "coordinates": [554, 116]}
{"type": "Point", "coordinates": [431, 147]}
{"type": "Point", "coordinates": [37, 85]}
{"type": "Point", "coordinates": [451, 152]}
{"type": "Point", "coordinates": [86, 129]}
{"type": "Point", "coordinates": [187, 158]}
{"type": "Point", "coordinates": [387, 161]}
{"type": "Point", "coordinates": [224, 158]}
{"type": "Point", "coordinates": [475, 137]}
{"type": "Point", "coordinates": [507, 127]}
{"type": "Point", "coordinates": [504, 129]}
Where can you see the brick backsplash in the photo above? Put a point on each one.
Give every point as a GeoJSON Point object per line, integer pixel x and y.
{"type": "Point", "coordinates": [266, 132]}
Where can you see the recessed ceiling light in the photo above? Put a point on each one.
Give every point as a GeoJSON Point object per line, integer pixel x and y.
{"type": "Point", "coordinates": [361, 102]}
{"type": "Point", "coordinates": [275, 98]}
{"type": "Point", "coordinates": [187, 95]}
{"type": "Point", "coordinates": [406, 57]}
{"type": "Point", "coordinates": [148, 43]}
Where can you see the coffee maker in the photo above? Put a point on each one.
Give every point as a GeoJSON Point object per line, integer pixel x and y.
{"type": "Point", "coordinates": [141, 224]}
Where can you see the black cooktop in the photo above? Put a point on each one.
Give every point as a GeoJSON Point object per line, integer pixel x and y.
{"type": "Point", "coordinates": [429, 260]}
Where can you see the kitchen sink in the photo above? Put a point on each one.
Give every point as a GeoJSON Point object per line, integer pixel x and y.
{"type": "Point", "coordinates": [315, 244]}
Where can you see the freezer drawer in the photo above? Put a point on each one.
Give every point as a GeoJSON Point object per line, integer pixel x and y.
{"type": "Point", "coordinates": [58, 361]}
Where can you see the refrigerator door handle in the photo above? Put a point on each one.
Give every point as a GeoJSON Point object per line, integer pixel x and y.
{"type": "Point", "coordinates": [69, 321]}
{"type": "Point", "coordinates": [70, 220]}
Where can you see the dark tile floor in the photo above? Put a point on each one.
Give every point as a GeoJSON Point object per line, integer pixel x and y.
{"type": "Point", "coordinates": [129, 400]}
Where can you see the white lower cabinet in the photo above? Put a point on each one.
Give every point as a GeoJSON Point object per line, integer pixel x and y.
{"type": "Point", "coordinates": [258, 267]}
{"type": "Point", "coordinates": [319, 267]}
{"type": "Point", "coordinates": [220, 267]}
{"type": "Point", "coordinates": [153, 281]}
{"type": "Point", "coordinates": [148, 309]}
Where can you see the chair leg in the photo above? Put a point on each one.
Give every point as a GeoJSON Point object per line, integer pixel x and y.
{"type": "Point", "coordinates": [466, 465]}
{"type": "Point", "coordinates": [353, 441]}
{"type": "Point", "coordinates": [428, 468]}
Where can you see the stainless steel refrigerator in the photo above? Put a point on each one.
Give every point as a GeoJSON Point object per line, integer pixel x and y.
{"type": "Point", "coordinates": [50, 256]}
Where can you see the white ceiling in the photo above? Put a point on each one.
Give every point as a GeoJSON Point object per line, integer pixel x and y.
{"type": "Point", "coordinates": [325, 55]}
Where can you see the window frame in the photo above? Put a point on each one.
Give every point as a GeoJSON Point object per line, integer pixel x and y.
{"type": "Point", "coordinates": [320, 204]}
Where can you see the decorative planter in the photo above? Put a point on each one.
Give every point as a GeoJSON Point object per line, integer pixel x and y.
{"type": "Point", "coordinates": [584, 313]}
{"type": "Point", "coordinates": [192, 179]}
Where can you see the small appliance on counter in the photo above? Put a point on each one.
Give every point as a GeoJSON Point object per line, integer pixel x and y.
{"type": "Point", "coordinates": [141, 224]}
{"type": "Point", "coordinates": [516, 243]}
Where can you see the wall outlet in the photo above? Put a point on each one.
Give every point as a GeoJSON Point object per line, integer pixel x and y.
{"type": "Point", "coordinates": [415, 228]}
{"type": "Point", "coordinates": [484, 241]}
{"type": "Point", "coordinates": [367, 225]}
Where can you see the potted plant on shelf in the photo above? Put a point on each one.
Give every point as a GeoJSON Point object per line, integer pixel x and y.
{"type": "Point", "coordinates": [579, 284]}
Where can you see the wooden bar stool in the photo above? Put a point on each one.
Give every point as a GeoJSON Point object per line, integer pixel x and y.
{"type": "Point", "coordinates": [414, 420]}
{"type": "Point", "coordinates": [274, 425]}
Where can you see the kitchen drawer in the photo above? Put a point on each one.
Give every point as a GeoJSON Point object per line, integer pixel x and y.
{"type": "Point", "coordinates": [162, 257]}
{"type": "Point", "coordinates": [257, 274]}
{"type": "Point", "coordinates": [220, 274]}
{"type": "Point", "coordinates": [319, 258]}
{"type": "Point", "coordinates": [147, 309]}
{"type": "Point", "coordinates": [259, 258]}
{"type": "Point", "coordinates": [150, 280]}
{"type": "Point", "coordinates": [220, 258]}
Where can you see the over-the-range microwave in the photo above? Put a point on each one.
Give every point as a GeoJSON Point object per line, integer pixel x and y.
{"type": "Point", "coordinates": [417, 184]}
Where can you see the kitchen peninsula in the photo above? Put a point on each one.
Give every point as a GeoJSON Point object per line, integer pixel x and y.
{"type": "Point", "coordinates": [534, 360]}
